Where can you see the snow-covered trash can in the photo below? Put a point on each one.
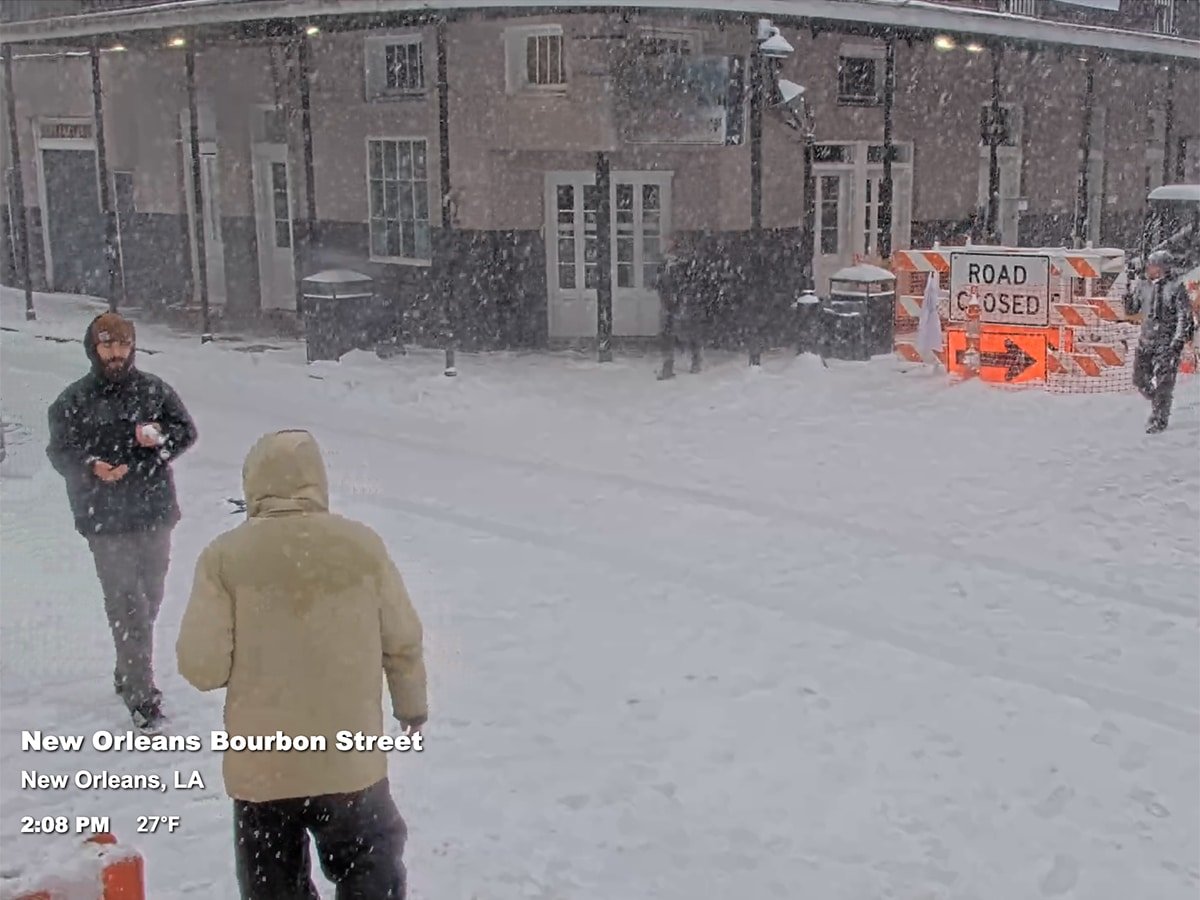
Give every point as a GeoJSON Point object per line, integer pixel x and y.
{"type": "Point", "coordinates": [339, 313]}
{"type": "Point", "coordinates": [874, 291]}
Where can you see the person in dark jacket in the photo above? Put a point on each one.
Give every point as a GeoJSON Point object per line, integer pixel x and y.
{"type": "Point", "coordinates": [1166, 328]}
{"type": "Point", "coordinates": [682, 313]}
{"type": "Point", "coordinates": [113, 436]}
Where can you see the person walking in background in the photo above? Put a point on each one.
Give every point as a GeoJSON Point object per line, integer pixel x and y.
{"type": "Point", "coordinates": [1167, 325]}
{"type": "Point", "coordinates": [684, 313]}
{"type": "Point", "coordinates": [297, 613]}
{"type": "Point", "coordinates": [114, 435]}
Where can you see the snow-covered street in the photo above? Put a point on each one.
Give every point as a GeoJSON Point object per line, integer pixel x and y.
{"type": "Point", "coordinates": [845, 633]}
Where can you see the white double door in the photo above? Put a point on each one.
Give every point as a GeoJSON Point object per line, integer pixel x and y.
{"type": "Point", "coordinates": [848, 223]}
{"type": "Point", "coordinates": [640, 204]}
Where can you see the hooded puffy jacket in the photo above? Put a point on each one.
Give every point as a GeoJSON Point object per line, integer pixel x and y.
{"type": "Point", "coordinates": [97, 418]}
{"type": "Point", "coordinates": [299, 613]}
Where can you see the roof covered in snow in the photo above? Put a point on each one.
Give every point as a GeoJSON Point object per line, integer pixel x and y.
{"type": "Point", "coordinates": [913, 14]}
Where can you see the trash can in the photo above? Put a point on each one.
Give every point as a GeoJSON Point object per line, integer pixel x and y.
{"type": "Point", "coordinates": [874, 291]}
{"type": "Point", "coordinates": [339, 312]}
{"type": "Point", "coordinates": [844, 330]}
{"type": "Point", "coordinates": [806, 311]}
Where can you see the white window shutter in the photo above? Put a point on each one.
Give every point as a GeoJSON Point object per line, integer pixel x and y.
{"type": "Point", "coordinates": [902, 205]}
{"type": "Point", "coordinates": [374, 63]}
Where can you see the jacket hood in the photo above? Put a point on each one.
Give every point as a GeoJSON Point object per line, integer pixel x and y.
{"type": "Point", "coordinates": [284, 473]}
{"type": "Point", "coordinates": [89, 348]}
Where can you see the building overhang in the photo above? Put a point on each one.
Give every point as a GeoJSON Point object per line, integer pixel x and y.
{"type": "Point", "coordinates": [912, 16]}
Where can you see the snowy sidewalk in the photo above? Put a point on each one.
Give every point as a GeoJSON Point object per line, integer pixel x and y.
{"type": "Point", "coordinates": [841, 633]}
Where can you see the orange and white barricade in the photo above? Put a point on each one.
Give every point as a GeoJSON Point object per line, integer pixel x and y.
{"type": "Point", "coordinates": [97, 869]}
{"type": "Point", "coordinates": [1086, 346]}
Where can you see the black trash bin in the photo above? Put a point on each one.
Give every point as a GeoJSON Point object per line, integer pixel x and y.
{"type": "Point", "coordinates": [339, 313]}
{"type": "Point", "coordinates": [844, 330]}
{"type": "Point", "coordinates": [875, 289]}
{"type": "Point", "coordinates": [806, 310]}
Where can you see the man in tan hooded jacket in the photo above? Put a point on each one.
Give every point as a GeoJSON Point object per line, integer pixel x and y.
{"type": "Point", "coordinates": [299, 614]}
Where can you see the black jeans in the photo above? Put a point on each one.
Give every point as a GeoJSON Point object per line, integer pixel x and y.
{"type": "Point", "coordinates": [1154, 372]}
{"type": "Point", "coordinates": [360, 841]}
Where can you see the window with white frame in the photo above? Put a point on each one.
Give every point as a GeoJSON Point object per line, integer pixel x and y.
{"type": "Point", "coordinates": [860, 74]}
{"type": "Point", "coordinates": [395, 66]}
{"type": "Point", "coordinates": [536, 58]}
{"type": "Point", "coordinates": [1019, 7]}
{"type": "Point", "coordinates": [1009, 164]}
{"type": "Point", "coordinates": [1164, 16]}
{"type": "Point", "coordinates": [668, 41]}
{"type": "Point", "coordinates": [398, 182]}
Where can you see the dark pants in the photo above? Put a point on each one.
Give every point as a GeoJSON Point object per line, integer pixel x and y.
{"type": "Point", "coordinates": [676, 327]}
{"type": "Point", "coordinates": [132, 568]}
{"type": "Point", "coordinates": [1154, 372]}
{"type": "Point", "coordinates": [360, 841]}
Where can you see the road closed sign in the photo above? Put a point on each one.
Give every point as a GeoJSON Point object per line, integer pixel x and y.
{"type": "Point", "coordinates": [1013, 288]}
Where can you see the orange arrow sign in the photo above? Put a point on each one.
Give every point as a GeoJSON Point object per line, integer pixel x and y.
{"type": "Point", "coordinates": [1007, 357]}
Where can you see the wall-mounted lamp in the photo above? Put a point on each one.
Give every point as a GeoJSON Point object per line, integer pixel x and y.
{"type": "Point", "coordinates": [771, 42]}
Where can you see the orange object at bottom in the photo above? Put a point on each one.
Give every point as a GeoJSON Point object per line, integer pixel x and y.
{"type": "Point", "coordinates": [1005, 357]}
{"type": "Point", "coordinates": [121, 877]}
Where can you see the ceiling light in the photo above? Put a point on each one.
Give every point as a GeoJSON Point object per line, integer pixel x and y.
{"type": "Point", "coordinates": [312, 30]}
{"type": "Point", "coordinates": [117, 48]}
{"type": "Point", "coordinates": [944, 42]}
{"type": "Point", "coordinates": [178, 42]}
{"type": "Point", "coordinates": [974, 48]}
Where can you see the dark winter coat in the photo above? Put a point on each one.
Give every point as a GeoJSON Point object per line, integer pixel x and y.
{"type": "Point", "coordinates": [96, 419]}
{"type": "Point", "coordinates": [1168, 322]}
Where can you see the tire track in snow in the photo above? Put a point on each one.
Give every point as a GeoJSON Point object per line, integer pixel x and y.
{"type": "Point", "coordinates": [970, 658]}
{"type": "Point", "coordinates": [910, 542]}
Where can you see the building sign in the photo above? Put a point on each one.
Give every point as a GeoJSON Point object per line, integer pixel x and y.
{"type": "Point", "coordinates": [1013, 288]}
{"type": "Point", "coordinates": [680, 99]}
{"type": "Point", "coordinates": [66, 131]}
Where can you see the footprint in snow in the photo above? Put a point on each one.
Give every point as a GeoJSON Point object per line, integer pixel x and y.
{"type": "Point", "coordinates": [1055, 803]}
{"type": "Point", "coordinates": [1062, 877]}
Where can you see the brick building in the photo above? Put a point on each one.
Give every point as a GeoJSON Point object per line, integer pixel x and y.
{"type": "Point", "coordinates": [452, 150]}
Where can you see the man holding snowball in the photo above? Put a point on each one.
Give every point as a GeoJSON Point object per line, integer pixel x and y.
{"type": "Point", "coordinates": [113, 436]}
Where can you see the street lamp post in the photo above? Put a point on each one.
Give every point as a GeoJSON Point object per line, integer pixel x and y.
{"type": "Point", "coordinates": [768, 49]}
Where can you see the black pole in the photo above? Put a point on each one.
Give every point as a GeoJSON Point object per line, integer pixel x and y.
{"type": "Point", "coordinates": [1085, 151]}
{"type": "Point", "coordinates": [753, 305]}
{"type": "Point", "coordinates": [447, 242]}
{"type": "Point", "coordinates": [1169, 122]}
{"type": "Point", "coordinates": [18, 187]}
{"type": "Point", "coordinates": [807, 233]}
{"type": "Point", "coordinates": [306, 135]}
{"type": "Point", "coordinates": [604, 285]}
{"type": "Point", "coordinates": [995, 135]}
{"type": "Point", "coordinates": [302, 251]}
{"type": "Point", "coordinates": [886, 186]}
{"type": "Point", "coordinates": [106, 205]}
{"type": "Point", "coordinates": [189, 58]}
